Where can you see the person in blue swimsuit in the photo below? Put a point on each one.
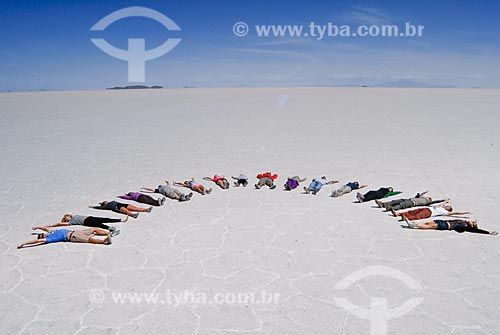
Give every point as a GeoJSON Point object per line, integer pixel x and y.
{"type": "Point", "coordinates": [66, 235]}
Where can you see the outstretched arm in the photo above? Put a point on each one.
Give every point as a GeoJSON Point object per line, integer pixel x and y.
{"type": "Point", "coordinates": [126, 197]}
{"type": "Point", "coordinates": [46, 228]}
{"type": "Point", "coordinates": [37, 241]}
{"type": "Point", "coordinates": [444, 201]}
{"type": "Point", "coordinates": [459, 213]}
{"type": "Point", "coordinates": [96, 207]}
{"type": "Point", "coordinates": [59, 224]}
{"type": "Point", "coordinates": [362, 186]}
{"type": "Point", "coordinates": [176, 183]}
{"type": "Point", "coordinates": [476, 230]}
{"type": "Point", "coordinates": [147, 190]}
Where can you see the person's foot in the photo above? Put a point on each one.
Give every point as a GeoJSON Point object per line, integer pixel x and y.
{"type": "Point", "coordinates": [125, 219]}
{"type": "Point", "coordinates": [360, 197]}
{"type": "Point", "coordinates": [161, 201]}
{"type": "Point", "coordinates": [182, 198]}
{"type": "Point", "coordinates": [393, 212]}
{"type": "Point", "coordinates": [209, 191]}
{"type": "Point", "coordinates": [272, 187]}
{"type": "Point", "coordinates": [150, 209]}
{"type": "Point", "coordinates": [107, 241]}
{"type": "Point", "coordinates": [379, 203]}
{"type": "Point", "coordinates": [135, 215]}
{"type": "Point", "coordinates": [112, 228]}
{"type": "Point", "coordinates": [411, 224]}
{"type": "Point", "coordinates": [306, 190]}
{"type": "Point", "coordinates": [114, 232]}
{"type": "Point", "coordinates": [314, 192]}
{"type": "Point", "coordinates": [236, 184]}
{"type": "Point", "coordinates": [20, 246]}
{"type": "Point", "coordinates": [257, 186]}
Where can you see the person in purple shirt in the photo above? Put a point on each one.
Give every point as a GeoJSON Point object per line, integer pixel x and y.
{"type": "Point", "coordinates": [143, 198]}
{"type": "Point", "coordinates": [66, 235]}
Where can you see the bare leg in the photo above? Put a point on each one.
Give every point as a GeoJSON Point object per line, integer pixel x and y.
{"type": "Point", "coordinates": [137, 209]}
{"type": "Point", "coordinates": [100, 232]}
{"type": "Point", "coordinates": [125, 211]}
{"type": "Point", "coordinates": [199, 189]}
{"type": "Point", "coordinates": [427, 225]}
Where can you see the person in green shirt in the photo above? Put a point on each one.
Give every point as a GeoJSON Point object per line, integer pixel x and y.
{"type": "Point", "coordinates": [382, 192]}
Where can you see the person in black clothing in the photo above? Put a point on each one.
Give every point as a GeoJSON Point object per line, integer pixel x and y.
{"type": "Point", "coordinates": [121, 208]}
{"type": "Point", "coordinates": [459, 226]}
{"type": "Point", "coordinates": [88, 221]}
{"type": "Point", "coordinates": [382, 192]}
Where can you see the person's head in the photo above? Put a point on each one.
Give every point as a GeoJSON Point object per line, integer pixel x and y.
{"type": "Point", "coordinates": [473, 223]}
{"type": "Point", "coordinates": [129, 193]}
{"type": "Point", "coordinates": [66, 218]}
{"type": "Point", "coordinates": [103, 203]}
{"type": "Point", "coordinates": [428, 199]}
{"type": "Point", "coordinates": [323, 177]}
{"type": "Point", "coordinates": [42, 235]}
{"type": "Point", "coordinates": [448, 208]}
{"type": "Point", "coordinates": [390, 189]}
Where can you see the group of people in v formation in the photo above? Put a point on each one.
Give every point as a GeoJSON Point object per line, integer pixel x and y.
{"type": "Point", "coordinates": [411, 210]}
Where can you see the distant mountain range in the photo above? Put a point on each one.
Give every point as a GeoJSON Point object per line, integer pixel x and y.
{"type": "Point", "coordinates": [133, 87]}
{"type": "Point", "coordinates": [410, 84]}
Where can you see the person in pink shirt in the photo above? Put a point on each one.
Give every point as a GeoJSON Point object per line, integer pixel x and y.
{"type": "Point", "coordinates": [220, 181]}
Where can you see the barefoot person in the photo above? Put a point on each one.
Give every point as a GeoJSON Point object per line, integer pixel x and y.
{"type": "Point", "coordinates": [88, 221]}
{"type": "Point", "coordinates": [220, 181]}
{"type": "Point", "coordinates": [143, 198]}
{"type": "Point", "coordinates": [121, 208]}
{"type": "Point", "coordinates": [317, 183]}
{"type": "Point", "coordinates": [169, 192]}
{"type": "Point", "coordinates": [425, 213]}
{"type": "Point", "coordinates": [240, 180]}
{"type": "Point", "coordinates": [293, 182]}
{"type": "Point", "coordinates": [66, 235]}
{"type": "Point", "coordinates": [191, 184]}
{"type": "Point", "coordinates": [266, 179]}
{"type": "Point", "coordinates": [459, 226]}
{"type": "Point", "coordinates": [347, 188]}
{"type": "Point", "coordinates": [382, 192]}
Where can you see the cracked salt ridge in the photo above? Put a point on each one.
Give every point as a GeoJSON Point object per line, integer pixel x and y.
{"type": "Point", "coordinates": [161, 246]}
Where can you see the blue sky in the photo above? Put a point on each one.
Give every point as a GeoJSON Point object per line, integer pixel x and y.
{"type": "Point", "coordinates": [45, 45]}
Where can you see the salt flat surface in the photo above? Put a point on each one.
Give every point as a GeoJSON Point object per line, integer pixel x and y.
{"type": "Point", "coordinates": [64, 150]}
